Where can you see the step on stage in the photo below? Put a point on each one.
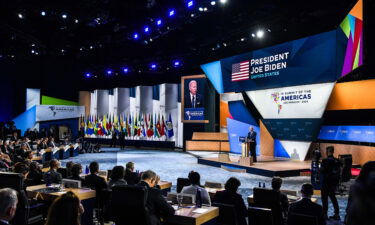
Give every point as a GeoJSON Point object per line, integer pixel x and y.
{"type": "Point", "coordinates": [266, 166]}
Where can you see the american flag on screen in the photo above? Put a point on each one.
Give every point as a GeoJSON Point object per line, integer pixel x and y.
{"type": "Point", "coordinates": [240, 71]}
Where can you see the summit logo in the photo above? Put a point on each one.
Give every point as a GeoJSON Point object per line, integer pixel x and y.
{"type": "Point", "coordinates": [276, 99]}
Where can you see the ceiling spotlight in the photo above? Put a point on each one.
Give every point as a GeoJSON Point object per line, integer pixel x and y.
{"type": "Point", "coordinates": [91, 47]}
{"type": "Point", "coordinates": [20, 16]}
{"type": "Point", "coordinates": [88, 75]}
{"type": "Point", "coordinates": [42, 13]}
{"type": "Point", "coordinates": [146, 29]}
{"type": "Point", "coordinates": [269, 30]}
{"type": "Point", "coordinates": [153, 66]}
{"type": "Point", "coordinates": [225, 44]}
{"type": "Point", "coordinates": [176, 63]}
{"type": "Point", "coordinates": [135, 36]}
{"type": "Point", "coordinates": [205, 9]}
{"type": "Point", "coordinates": [126, 70]}
{"type": "Point", "coordinates": [192, 15]}
{"type": "Point", "coordinates": [213, 3]}
{"type": "Point", "coordinates": [190, 4]}
{"type": "Point", "coordinates": [260, 33]}
{"type": "Point", "coordinates": [242, 39]}
{"type": "Point", "coordinates": [76, 21]}
{"type": "Point", "coordinates": [252, 35]}
{"type": "Point", "coordinates": [81, 49]}
{"type": "Point", "coordinates": [62, 50]}
{"type": "Point", "coordinates": [200, 9]}
{"type": "Point", "coordinates": [32, 51]}
{"type": "Point", "coordinates": [151, 39]}
{"type": "Point", "coordinates": [109, 72]}
{"type": "Point", "coordinates": [64, 16]}
{"type": "Point", "coordinates": [223, 1]}
{"type": "Point", "coordinates": [33, 45]}
{"type": "Point", "coordinates": [158, 22]}
{"type": "Point", "coordinates": [171, 13]}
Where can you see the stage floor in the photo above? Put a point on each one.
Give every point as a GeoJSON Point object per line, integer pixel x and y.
{"type": "Point", "coordinates": [266, 166]}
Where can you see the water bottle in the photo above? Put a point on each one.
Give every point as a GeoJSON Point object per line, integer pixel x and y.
{"type": "Point", "coordinates": [259, 185]}
{"type": "Point", "coordinates": [198, 199]}
{"type": "Point", "coordinates": [264, 185]}
{"type": "Point", "coordinates": [87, 170]}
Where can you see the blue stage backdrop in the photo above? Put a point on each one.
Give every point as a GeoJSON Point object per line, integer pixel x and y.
{"type": "Point", "coordinates": [279, 150]}
{"type": "Point", "coordinates": [293, 129]}
{"type": "Point", "coordinates": [237, 129]}
{"type": "Point", "coordinates": [348, 133]}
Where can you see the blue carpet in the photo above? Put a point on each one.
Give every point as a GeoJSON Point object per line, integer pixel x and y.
{"type": "Point", "coordinates": [170, 165]}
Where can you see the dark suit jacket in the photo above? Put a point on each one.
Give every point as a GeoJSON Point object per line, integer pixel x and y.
{"type": "Point", "coordinates": [307, 207]}
{"type": "Point", "coordinates": [232, 198]}
{"type": "Point", "coordinates": [198, 101]}
{"type": "Point", "coordinates": [157, 206]}
{"type": "Point", "coordinates": [252, 136]}
{"type": "Point", "coordinates": [53, 177]}
{"type": "Point", "coordinates": [95, 182]}
{"type": "Point", "coordinates": [131, 177]}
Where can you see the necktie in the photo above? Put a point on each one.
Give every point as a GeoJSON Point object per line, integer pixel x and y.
{"type": "Point", "coordinates": [193, 101]}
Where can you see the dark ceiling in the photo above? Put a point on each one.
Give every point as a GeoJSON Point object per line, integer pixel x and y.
{"type": "Point", "coordinates": [51, 52]}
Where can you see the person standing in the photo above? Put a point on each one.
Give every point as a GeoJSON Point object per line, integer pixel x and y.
{"type": "Point", "coordinates": [251, 137]}
{"type": "Point", "coordinates": [330, 172]}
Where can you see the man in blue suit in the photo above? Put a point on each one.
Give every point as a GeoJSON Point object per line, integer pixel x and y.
{"type": "Point", "coordinates": [251, 137]}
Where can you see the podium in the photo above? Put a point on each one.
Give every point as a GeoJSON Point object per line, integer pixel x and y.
{"type": "Point", "coordinates": [245, 157]}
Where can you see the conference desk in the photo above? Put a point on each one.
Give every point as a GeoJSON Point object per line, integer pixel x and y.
{"type": "Point", "coordinates": [192, 216]}
{"type": "Point", "coordinates": [291, 198]}
{"type": "Point", "coordinates": [87, 197]}
{"type": "Point", "coordinates": [212, 191]}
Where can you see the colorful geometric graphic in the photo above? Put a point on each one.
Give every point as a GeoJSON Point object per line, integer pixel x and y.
{"type": "Point", "coordinates": [352, 26]}
{"type": "Point", "coordinates": [276, 98]}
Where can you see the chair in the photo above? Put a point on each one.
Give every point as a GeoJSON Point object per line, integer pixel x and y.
{"type": "Point", "coordinates": [227, 214]}
{"type": "Point", "coordinates": [298, 219]}
{"type": "Point", "coordinates": [63, 172]}
{"type": "Point", "coordinates": [68, 183]}
{"type": "Point", "coordinates": [128, 205]}
{"type": "Point", "coordinates": [181, 183]}
{"type": "Point", "coordinates": [25, 214]}
{"type": "Point", "coordinates": [260, 216]}
{"type": "Point", "coordinates": [210, 184]}
{"type": "Point", "coordinates": [270, 199]}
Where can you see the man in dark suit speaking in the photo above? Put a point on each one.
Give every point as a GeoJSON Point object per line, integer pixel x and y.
{"type": "Point", "coordinates": [251, 136]}
{"type": "Point", "coordinates": [193, 99]}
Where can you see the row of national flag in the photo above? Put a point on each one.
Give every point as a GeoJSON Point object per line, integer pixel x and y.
{"type": "Point", "coordinates": [130, 126]}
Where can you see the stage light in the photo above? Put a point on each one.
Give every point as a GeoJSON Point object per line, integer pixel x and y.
{"type": "Point", "coordinates": [125, 69]}
{"type": "Point", "coordinates": [87, 75]}
{"type": "Point", "coordinates": [158, 22]}
{"type": "Point", "coordinates": [135, 36]}
{"type": "Point", "coordinates": [242, 39]}
{"type": "Point", "coordinates": [213, 3]}
{"type": "Point", "coordinates": [62, 50]}
{"type": "Point", "coordinates": [109, 72]}
{"type": "Point", "coordinates": [42, 13]}
{"type": "Point", "coordinates": [64, 16]}
{"type": "Point", "coordinates": [176, 63]}
{"type": "Point", "coordinates": [146, 29]}
{"type": "Point", "coordinates": [190, 4]}
{"type": "Point", "coordinates": [76, 21]}
{"type": "Point", "coordinates": [32, 51]}
{"type": "Point", "coordinates": [205, 9]}
{"type": "Point", "coordinates": [192, 15]}
{"type": "Point", "coordinates": [269, 30]}
{"type": "Point", "coordinates": [200, 9]}
{"type": "Point", "coordinates": [223, 1]}
{"type": "Point", "coordinates": [260, 33]}
{"type": "Point", "coordinates": [153, 66]}
{"type": "Point", "coordinates": [20, 16]}
{"type": "Point", "coordinates": [91, 47]}
{"type": "Point", "coordinates": [171, 13]}
{"type": "Point", "coordinates": [252, 35]}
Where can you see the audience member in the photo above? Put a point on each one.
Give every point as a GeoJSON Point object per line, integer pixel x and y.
{"type": "Point", "coordinates": [94, 181]}
{"type": "Point", "coordinates": [330, 170]}
{"type": "Point", "coordinates": [276, 185]}
{"type": "Point", "coordinates": [51, 143]}
{"type": "Point", "coordinates": [69, 166]}
{"type": "Point", "coordinates": [361, 203]}
{"type": "Point", "coordinates": [75, 173]}
{"type": "Point", "coordinates": [231, 197]}
{"type": "Point", "coordinates": [8, 205]}
{"type": "Point", "coordinates": [194, 178]}
{"type": "Point", "coordinates": [52, 176]}
{"type": "Point", "coordinates": [157, 206]}
{"type": "Point", "coordinates": [35, 175]}
{"type": "Point", "coordinates": [131, 177]}
{"type": "Point", "coordinates": [117, 176]}
{"type": "Point", "coordinates": [305, 206]}
{"type": "Point", "coordinates": [65, 210]}
{"type": "Point", "coordinates": [28, 157]}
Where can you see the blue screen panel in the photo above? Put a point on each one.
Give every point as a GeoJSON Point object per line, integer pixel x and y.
{"type": "Point", "coordinates": [348, 133]}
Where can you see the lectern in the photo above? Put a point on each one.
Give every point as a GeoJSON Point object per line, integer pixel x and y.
{"type": "Point", "coordinates": [246, 156]}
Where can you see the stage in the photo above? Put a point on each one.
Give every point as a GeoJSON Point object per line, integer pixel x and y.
{"type": "Point", "coordinates": [266, 166]}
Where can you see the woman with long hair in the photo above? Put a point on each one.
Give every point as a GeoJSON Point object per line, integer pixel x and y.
{"type": "Point", "coordinates": [65, 210]}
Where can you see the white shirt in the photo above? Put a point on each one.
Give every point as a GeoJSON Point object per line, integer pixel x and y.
{"type": "Point", "coordinates": [192, 190]}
